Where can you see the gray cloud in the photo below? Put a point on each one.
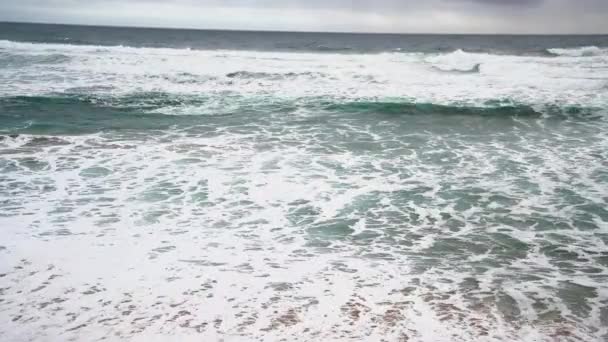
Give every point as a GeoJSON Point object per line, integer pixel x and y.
{"type": "Point", "coordinates": [468, 16]}
{"type": "Point", "coordinates": [509, 2]}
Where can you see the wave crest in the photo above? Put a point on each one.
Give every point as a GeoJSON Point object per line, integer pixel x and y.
{"type": "Point", "coordinates": [584, 51]}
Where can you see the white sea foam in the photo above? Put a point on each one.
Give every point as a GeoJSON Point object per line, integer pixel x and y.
{"type": "Point", "coordinates": [585, 51]}
{"type": "Point", "coordinates": [307, 227]}
{"type": "Point", "coordinates": [417, 77]}
{"type": "Point", "coordinates": [216, 237]}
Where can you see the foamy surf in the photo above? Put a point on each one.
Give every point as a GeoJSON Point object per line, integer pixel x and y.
{"type": "Point", "coordinates": [169, 193]}
{"type": "Point", "coordinates": [473, 78]}
{"type": "Point", "coordinates": [585, 51]}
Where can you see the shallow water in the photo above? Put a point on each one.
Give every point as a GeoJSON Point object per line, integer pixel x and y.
{"type": "Point", "coordinates": [156, 192]}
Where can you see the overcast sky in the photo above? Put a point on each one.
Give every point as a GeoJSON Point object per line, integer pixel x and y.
{"type": "Point", "coordinates": [415, 16]}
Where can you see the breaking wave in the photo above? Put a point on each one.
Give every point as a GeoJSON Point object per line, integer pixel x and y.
{"type": "Point", "coordinates": [585, 51]}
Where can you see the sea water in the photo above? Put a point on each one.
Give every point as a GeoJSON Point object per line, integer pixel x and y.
{"type": "Point", "coordinates": [207, 185]}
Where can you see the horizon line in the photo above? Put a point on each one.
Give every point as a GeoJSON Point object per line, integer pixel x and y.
{"type": "Point", "coordinates": [295, 31]}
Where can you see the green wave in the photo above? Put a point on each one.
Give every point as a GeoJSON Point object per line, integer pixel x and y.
{"type": "Point", "coordinates": [73, 115]}
{"type": "Point", "coordinates": [82, 114]}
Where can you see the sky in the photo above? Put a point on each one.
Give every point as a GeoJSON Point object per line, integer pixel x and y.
{"type": "Point", "coordinates": [399, 16]}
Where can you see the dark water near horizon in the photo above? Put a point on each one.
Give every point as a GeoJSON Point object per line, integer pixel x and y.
{"type": "Point", "coordinates": [184, 184]}
{"type": "Point", "coordinates": [292, 41]}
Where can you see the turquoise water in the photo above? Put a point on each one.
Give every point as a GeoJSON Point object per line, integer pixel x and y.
{"type": "Point", "coordinates": [402, 189]}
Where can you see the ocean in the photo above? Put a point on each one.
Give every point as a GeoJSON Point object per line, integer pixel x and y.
{"type": "Point", "coordinates": [165, 185]}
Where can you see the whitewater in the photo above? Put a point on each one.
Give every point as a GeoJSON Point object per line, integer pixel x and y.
{"type": "Point", "coordinates": [164, 193]}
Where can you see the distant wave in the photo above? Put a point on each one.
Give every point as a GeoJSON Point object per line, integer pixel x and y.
{"type": "Point", "coordinates": [183, 82]}
{"type": "Point", "coordinates": [457, 62]}
{"type": "Point", "coordinates": [17, 46]}
{"type": "Point", "coordinates": [585, 51]}
{"type": "Point", "coordinates": [476, 69]}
